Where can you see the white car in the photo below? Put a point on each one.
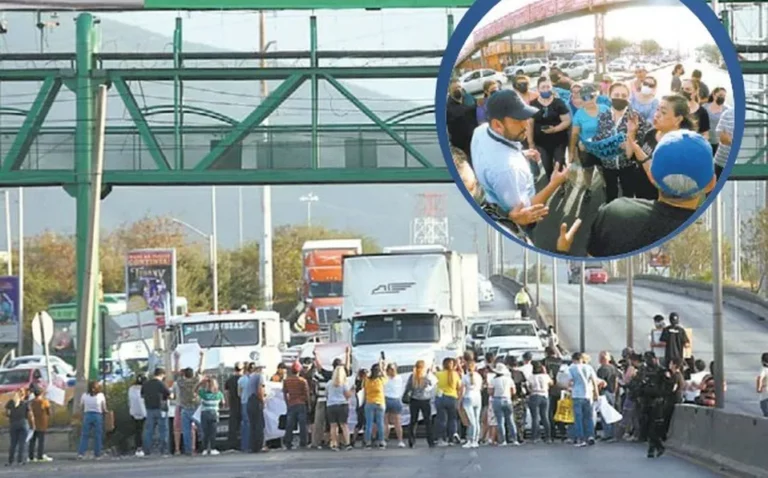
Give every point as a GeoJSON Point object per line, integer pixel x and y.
{"type": "Point", "coordinates": [473, 81]}
{"type": "Point", "coordinates": [530, 67]}
{"type": "Point", "coordinates": [60, 367]}
{"type": "Point", "coordinates": [619, 64]}
{"type": "Point", "coordinates": [509, 335]}
{"type": "Point", "coordinates": [578, 69]}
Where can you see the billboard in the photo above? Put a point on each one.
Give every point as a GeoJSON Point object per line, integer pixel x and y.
{"type": "Point", "coordinates": [9, 310]}
{"type": "Point", "coordinates": [150, 280]}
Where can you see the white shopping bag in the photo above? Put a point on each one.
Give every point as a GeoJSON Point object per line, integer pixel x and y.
{"type": "Point", "coordinates": [55, 394]}
{"type": "Point", "coordinates": [198, 414]}
{"type": "Point", "coordinates": [609, 414]}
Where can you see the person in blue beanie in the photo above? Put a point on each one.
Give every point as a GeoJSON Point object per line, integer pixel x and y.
{"type": "Point", "coordinates": [683, 172]}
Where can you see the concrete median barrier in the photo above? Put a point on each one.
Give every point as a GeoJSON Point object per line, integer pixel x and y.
{"type": "Point", "coordinates": [732, 296]}
{"type": "Point", "coordinates": [731, 441]}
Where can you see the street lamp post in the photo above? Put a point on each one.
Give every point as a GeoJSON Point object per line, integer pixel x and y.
{"type": "Point", "coordinates": [309, 199]}
{"type": "Point", "coordinates": [212, 256]}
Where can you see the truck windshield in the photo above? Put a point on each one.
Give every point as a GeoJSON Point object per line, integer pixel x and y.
{"type": "Point", "coordinates": [511, 330]}
{"type": "Point", "coordinates": [387, 329]}
{"type": "Point", "coordinates": [320, 290]}
{"type": "Point", "coordinates": [222, 334]}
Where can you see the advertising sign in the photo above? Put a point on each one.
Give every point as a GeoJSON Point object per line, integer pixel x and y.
{"type": "Point", "coordinates": [150, 279]}
{"type": "Point", "coordinates": [9, 310]}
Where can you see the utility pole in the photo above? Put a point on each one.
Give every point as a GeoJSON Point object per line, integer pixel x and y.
{"type": "Point", "coordinates": [266, 191]}
{"type": "Point", "coordinates": [214, 252]}
{"type": "Point", "coordinates": [630, 298]}
{"type": "Point", "coordinates": [8, 238]}
{"type": "Point", "coordinates": [554, 296]}
{"type": "Point", "coordinates": [582, 309]}
{"type": "Point", "coordinates": [538, 279]}
{"type": "Point", "coordinates": [240, 215]}
{"type": "Point", "coordinates": [717, 303]}
{"type": "Point", "coordinates": [525, 268]}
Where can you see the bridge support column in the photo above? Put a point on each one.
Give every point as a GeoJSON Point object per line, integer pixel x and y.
{"type": "Point", "coordinates": [450, 27]}
{"type": "Point", "coordinates": [717, 302]}
{"type": "Point", "coordinates": [315, 103]}
{"type": "Point", "coordinates": [599, 45]}
{"type": "Point", "coordinates": [86, 268]}
{"type": "Point", "coordinates": [178, 99]}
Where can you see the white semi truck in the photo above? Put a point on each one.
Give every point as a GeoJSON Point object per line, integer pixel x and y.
{"type": "Point", "coordinates": [410, 304]}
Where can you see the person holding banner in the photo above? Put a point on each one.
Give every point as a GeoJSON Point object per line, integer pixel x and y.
{"type": "Point", "coordinates": [19, 415]}
{"type": "Point", "coordinates": [187, 381]}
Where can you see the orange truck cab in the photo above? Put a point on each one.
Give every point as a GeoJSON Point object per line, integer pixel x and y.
{"type": "Point", "coordinates": [322, 278]}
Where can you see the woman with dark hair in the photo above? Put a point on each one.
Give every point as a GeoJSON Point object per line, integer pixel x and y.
{"type": "Point", "coordinates": [762, 385]}
{"type": "Point", "coordinates": [677, 72]}
{"type": "Point", "coordinates": [690, 91]}
{"type": "Point", "coordinates": [138, 411]}
{"type": "Point", "coordinates": [94, 407]}
{"type": "Point", "coordinates": [715, 109]}
{"type": "Point", "coordinates": [618, 169]}
{"type": "Point", "coordinates": [671, 115]}
{"type": "Point", "coordinates": [549, 133]}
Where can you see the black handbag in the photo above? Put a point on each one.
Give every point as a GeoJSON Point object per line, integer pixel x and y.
{"type": "Point", "coordinates": [408, 392]}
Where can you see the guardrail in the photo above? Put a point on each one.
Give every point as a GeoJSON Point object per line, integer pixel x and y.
{"type": "Point", "coordinates": [728, 440]}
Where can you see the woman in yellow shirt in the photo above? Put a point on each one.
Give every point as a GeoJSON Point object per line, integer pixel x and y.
{"type": "Point", "coordinates": [375, 405]}
{"type": "Point", "coordinates": [446, 402]}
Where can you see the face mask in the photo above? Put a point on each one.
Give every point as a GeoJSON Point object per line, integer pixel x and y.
{"type": "Point", "coordinates": [545, 94]}
{"type": "Point", "coordinates": [456, 95]}
{"type": "Point", "coordinates": [619, 103]}
{"type": "Point", "coordinates": [687, 95]}
{"type": "Point", "coordinates": [522, 87]}
{"type": "Point", "coordinates": [720, 101]}
{"type": "Point", "coordinates": [646, 90]}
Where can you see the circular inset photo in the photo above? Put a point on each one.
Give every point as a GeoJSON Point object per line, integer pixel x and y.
{"type": "Point", "coordinates": [590, 128]}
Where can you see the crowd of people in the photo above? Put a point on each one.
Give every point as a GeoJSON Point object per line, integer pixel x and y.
{"type": "Point", "coordinates": [658, 157]}
{"type": "Point", "coordinates": [479, 400]}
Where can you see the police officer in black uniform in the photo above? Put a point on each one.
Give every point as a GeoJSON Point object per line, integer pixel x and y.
{"type": "Point", "coordinates": [656, 390]}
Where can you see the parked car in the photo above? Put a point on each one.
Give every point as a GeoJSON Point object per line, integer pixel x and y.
{"type": "Point", "coordinates": [473, 81]}
{"type": "Point", "coordinates": [619, 64]}
{"type": "Point", "coordinates": [578, 69]}
{"type": "Point", "coordinates": [13, 379]}
{"type": "Point", "coordinates": [529, 66]}
{"type": "Point", "coordinates": [58, 365]}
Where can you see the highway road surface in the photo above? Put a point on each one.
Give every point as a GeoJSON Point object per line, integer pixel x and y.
{"type": "Point", "coordinates": [603, 460]}
{"type": "Point", "coordinates": [744, 335]}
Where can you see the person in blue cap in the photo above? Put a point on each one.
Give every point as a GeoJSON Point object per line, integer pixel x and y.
{"type": "Point", "coordinates": [682, 170]}
{"type": "Point", "coordinates": [502, 166]}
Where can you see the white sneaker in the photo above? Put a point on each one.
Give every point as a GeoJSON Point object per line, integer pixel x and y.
{"type": "Point", "coordinates": [442, 443]}
{"type": "Point", "coordinates": [475, 445]}
{"type": "Point", "coordinates": [503, 443]}
{"type": "Point", "coordinates": [46, 458]}
{"type": "Point", "coordinates": [139, 453]}
{"type": "Point", "coordinates": [214, 452]}
{"type": "Point", "coordinates": [205, 453]}
{"type": "Point", "coordinates": [401, 444]}
{"type": "Point", "coordinates": [468, 445]}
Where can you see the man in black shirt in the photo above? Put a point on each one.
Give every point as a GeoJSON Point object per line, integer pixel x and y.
{"type": "Point", "coordinates": [156, 394]}
{"type": "Point", "coordinates": [460, 119]}
{"type": "Point", "coordinates": [674, 339]}
{"type": "Point", "coordinates": [682, 170]}
{"type": "Point", "coordinates": [235, 409]}
{"type": "Point", "coordinates": [610, 374]}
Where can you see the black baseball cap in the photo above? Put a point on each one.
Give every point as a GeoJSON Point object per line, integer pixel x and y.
{"type": "Point", "coordinates": [508, 104]}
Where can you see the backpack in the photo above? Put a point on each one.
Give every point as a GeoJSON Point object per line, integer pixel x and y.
{"type": "Point", "coordinates": [521, 385]}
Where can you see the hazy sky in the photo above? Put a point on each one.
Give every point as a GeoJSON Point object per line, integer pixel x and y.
{"type": "Point", "coordinates": [670, 25]}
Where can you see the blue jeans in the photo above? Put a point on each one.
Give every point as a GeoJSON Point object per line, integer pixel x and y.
{"type": "Point", "coordinates": [539, 406]}
{"type": "Point", "coordinates": [447, 417]}
{"type": "Point", "coordinates": [18, 442]}
{"type": "Point", "coordinates": [296, 414]}
{"type": "Point", "coordinates": [245, 429]}
{"type": "Point", "coordinates": [582, 414]}
{"type": "Point", "coordinates": [187, 418]}
{"type": "Point", "coordinates": [502, 409]}
{"type": "Point", "coordinates": [156, 418]}
{"type": "Point", "coordinates": [472, 409]}
{"type": "Point", "coordinates": [92, 422]}
{"type": "Point", "coordinates": [374, 413]}
{"type": "Point", "coordinates": [764, 407]}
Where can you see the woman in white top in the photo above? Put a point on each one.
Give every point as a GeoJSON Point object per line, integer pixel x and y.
{"type": "Point", "coordinates": [94, 406]}
{"type": "Point", "coordinates": [501, 389]}
{"type": "Point", "coordinates": [471, 399]}
{"type": "Point", "coordinates": [138, 411]}
{"type": "Point", "coordinates": [693, 385]}
{"type": "Point", "coordinates": [393, 396]}
{"type": "Point", "coordinates": [538, 401]}
{"type": "Point", "coordinates": [338, 393]}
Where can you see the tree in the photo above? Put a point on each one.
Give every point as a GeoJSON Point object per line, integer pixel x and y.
{"type": "Point", "coordinates": [710, 53]}
{"type": "Point", "coordinates": [615, 46]}
{"type": "Point", "coordinates": [754, 233]}
{"type": "Point", "coordinates": [650, 47]}
{"type": "Point", "coordinates": [690, 252]}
